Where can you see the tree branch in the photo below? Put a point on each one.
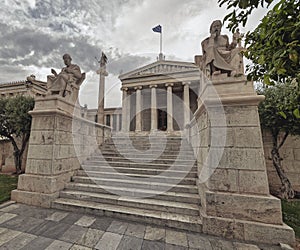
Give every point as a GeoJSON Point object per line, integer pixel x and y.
{"type": "Point", "coordinates": [283, 139]}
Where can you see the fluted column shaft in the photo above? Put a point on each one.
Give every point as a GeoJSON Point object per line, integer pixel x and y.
{"type": "Point", "coordinates": [169, 107]}
{"type": "Point", "coordinates": [138, 113]}
{"type": "Point", "coordinates": [153, 108]}
{"type": "Point", "coordinates": [186, 102]}
{"type": "Point", "coordinates": [125, 110]}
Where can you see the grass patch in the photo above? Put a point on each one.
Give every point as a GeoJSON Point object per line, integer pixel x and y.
{"type": "Point", "coordinates": [7, 184]}
{"type": "Point", "coordinates": [291, 215]}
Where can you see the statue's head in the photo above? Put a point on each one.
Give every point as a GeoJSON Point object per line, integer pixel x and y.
{"type": "Point", "coordinates": [215, 27]}
{"type": "Point", "coordinates": [67, 59]}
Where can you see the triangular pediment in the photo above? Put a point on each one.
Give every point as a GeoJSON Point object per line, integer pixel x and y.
{"type": "Point", "coordinates": [160, 67]}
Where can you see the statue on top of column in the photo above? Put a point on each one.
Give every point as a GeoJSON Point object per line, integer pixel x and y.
{"type": "Point", "coordinates": [67, 82]}
{"type": "Point", "coordinates": [103, 60]}
{"type": "Point", "coordinates": [219, 56]}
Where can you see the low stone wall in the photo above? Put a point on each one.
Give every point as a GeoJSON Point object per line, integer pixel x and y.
{"type": "Point", "coordinates": [59, 142]}
{"type": "Point", "coordinates": [290, 153]}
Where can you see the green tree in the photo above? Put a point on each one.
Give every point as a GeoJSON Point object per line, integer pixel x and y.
{"type": "Point", "coordinates": [274, 46]}
{"type": "Point", "coordinates": [277, 116]}
{"type": "Point", "coordinates": [15, 123]}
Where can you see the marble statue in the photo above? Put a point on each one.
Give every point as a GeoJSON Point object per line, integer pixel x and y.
{"type": "Point", "coordinates": [67, 82]}
{"type": "Point", "coordinates": [218, 55]}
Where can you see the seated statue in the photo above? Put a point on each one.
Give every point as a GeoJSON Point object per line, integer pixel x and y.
{"type": "Point", "coordinates": [67, 82]}
{"type": "Point", "coordinates": [218, 55]}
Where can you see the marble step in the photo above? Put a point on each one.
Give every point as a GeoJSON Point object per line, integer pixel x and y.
{"type": "Point", "coordinates": [130, 183]}
{"type": "Point", "coordinates": [146, 138]}
{"type": "Point", "coordinates": [144, 147]}
{"type": "Point", "coordinates": [172, 220]}
{"type": "Point", "coordinates": [142, 171]}
{"type": "Point", "coordinates": [175, 165]}
{"type": "Point", "coordinates": [133, 159]}
{"type": "Point", "coordinates": [128, 153]}
{"type": "Point", "coordinates": [133, 192]}
{"type": "Point", "coordinates": [155, 178]}
{"type": "Point", "coordinates": [149, 204]}
{"type": "Point", "coordinates": [147, 150]}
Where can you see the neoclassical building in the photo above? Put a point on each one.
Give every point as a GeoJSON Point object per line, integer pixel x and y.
{"type": "Point", "coordinates": [159, 96]}
{"type": "Point", "coordinates": [26, 88]}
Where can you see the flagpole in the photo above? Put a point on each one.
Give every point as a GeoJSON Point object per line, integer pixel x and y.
{"type": "Point", "coordinates": [158, 29]}
{"type": "Point", "coordinates": [161, 42]}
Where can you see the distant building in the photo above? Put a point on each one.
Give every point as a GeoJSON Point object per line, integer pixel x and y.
{"type": "Point", "coordinates": [160, 96]}
{"type": "Point", "coordinates": [25, 88]}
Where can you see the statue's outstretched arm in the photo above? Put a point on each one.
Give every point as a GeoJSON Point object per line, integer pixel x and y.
{"type": "Point", "coordinates": [54, 72]}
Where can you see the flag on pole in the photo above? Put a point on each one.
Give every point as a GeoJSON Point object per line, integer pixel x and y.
{"type": "Point", "coordinates": [158, 29]}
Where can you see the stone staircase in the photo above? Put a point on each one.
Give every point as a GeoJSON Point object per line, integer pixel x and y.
{"type": "Point", "coordinates": [140, 179]}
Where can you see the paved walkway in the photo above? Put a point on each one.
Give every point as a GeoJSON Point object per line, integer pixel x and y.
{"type": "Point", "coordinates": [33, 228]}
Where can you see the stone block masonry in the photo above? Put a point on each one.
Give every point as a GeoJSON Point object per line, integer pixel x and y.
{"type": "Point", "coordinates": [60, 140]}
{"type": "Point", "coordinates": [233, 183]}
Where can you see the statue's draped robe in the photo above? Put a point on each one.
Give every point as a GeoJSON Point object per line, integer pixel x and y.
{"type": "Point", "coordinates": [57, 84]}
{"type": "Point", "coordinates": [217, 52]}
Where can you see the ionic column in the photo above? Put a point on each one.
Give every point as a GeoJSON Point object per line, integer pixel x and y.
{"type": "Point", "coordinates": [112, 122]}
{"type": "Point", "coordinates": [125, 109]}
{"type": "Point", "coordinates": [117, 122]}
{"type": "Point", "coordinates": [153, 108]}
{"type": "Point", "coordinates": [186, 102]}
{"type": "Point", "coordinates": [169, 107]}
{"type": "Point", "coordinates": [138, 113]}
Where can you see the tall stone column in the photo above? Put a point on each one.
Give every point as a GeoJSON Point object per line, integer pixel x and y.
{"type": "Point", "coordinates": [138, 116]}
{"type": "Point", "coordinates": [153, 108]}
{"type": "Point", "coordinates": [112, 122]}
{"type": "Point", "coordinates": [100, 113]}
{"type": "Point", "coordinates": [169, 107]}
{"type": "Point", "coordinates": [186, 102]}
{"type": "Point", "coordinates": [117, 122]}
{"type": "Point", "coordinates": [125, 108]}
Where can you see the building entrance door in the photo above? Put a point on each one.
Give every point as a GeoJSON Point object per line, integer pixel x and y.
{"type": "Point", "coordinates": [162, 120]}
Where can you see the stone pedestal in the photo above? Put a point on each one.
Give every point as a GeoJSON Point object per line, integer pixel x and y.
{"type": "Point", "coordinates": [52, 156]}
{"type": "Point", "coordinates": [233, 184]}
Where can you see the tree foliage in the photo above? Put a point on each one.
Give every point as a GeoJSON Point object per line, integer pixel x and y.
{"type": "Point", "coordinates": [277, 116]}
{"type": "Point", "coordinates": [274, 46]}
{"type": "Point", "coordinates": [15, 123]}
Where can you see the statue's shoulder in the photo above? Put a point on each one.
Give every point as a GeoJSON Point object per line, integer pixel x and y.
{"type": "Point", "coordinates": [205, 41]}
{"type": "Point", "coordinates": [225, 37]}
{"type": "Point", "coordinates": [75, 66]}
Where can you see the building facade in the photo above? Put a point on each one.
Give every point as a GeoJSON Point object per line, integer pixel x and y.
{"type": "Point", "coordinates": [26, 88]}
{"type": "Point", "coordinates": [159, 96]}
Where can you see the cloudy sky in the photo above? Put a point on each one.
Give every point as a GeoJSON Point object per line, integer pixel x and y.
{"type": "Point", "coordinates": [36, 33]}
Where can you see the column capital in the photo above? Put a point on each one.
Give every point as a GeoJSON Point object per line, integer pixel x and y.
{"type": "Point", "coordinates": [186, 83]}
{"type": "Point", "coordinates": [169, 84]}
{"type": "Point", "coordinates": [124, 88]}
{"type": "Point", "coordinates": [102, 71]}
{"type": "Point", "coordinates": [153, 86]}
{"type": "Point", "coordinates": [138, 87]}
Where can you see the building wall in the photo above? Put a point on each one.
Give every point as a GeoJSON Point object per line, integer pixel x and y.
{"type": "Point", "coordinates": [290, 152]}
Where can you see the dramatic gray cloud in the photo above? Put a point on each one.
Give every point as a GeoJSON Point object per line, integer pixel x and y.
{"type": "Point", "coordinates": [36, 33]}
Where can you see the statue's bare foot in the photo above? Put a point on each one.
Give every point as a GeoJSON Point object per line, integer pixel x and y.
{"type": "Point", "coordinates": [233, 73]}
{"type": "Point", "coordinates": [218, 72]}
